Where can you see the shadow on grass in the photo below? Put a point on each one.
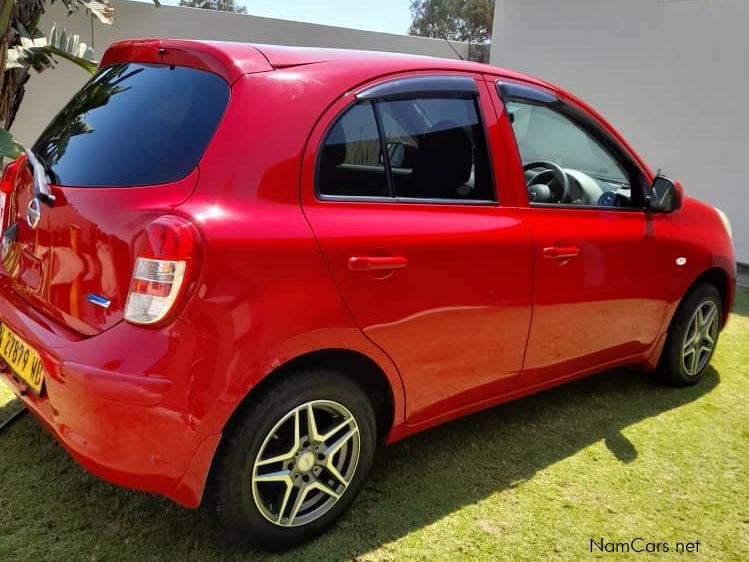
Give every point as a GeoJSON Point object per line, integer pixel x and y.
{"type": "Point", "coordinates": [414, 483]}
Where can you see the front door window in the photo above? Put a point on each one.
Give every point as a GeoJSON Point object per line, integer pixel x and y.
{"type": "Point", "coordinates": [563, 164]}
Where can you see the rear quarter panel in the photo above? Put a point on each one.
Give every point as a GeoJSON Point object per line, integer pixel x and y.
{"type": "Point", "coordinates": [265, 295]}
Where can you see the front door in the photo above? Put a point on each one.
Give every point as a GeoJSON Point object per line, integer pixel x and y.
{"type": "Point", "coordinates": [433, 269]}
{"type": "Point", "coordinates": [602, 264]}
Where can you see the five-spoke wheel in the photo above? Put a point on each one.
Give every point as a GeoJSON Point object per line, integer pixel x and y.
{"type": "Point", "coordinates": [305, 463]}
{"type": "Point", "coordinates": [699, 338]}
{"type": "Point", "coordinates": [692, 336]}
{"type": "Point", "coordinates": [295, 459]}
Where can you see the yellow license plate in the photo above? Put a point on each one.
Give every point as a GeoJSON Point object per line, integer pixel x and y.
{"type": "Point", "coordinates": [22, 359]}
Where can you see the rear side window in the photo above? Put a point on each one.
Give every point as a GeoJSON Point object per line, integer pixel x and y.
{"type": "Point", "coordinates": [134, 124]}
{"type": "Point", "coordinates": [434, 148]}
{"type": "Point", "coordinates": [437, 149]}
{"type": "Point", "coordinates": [351, 163]}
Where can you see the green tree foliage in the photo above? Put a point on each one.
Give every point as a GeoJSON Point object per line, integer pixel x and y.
{"type": "Point", "coordinates": [457, 20]}
{"type": "Point", "coordinates": [221, 5]}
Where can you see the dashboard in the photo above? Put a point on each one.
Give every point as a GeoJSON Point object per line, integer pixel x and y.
{"type": "Point", "coordinates": [551, 184]}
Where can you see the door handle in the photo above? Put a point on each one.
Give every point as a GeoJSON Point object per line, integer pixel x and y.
{"type": "Point", "coordinates": [561, 252]}
{"type": "Point", "coordinates": [374, 263]}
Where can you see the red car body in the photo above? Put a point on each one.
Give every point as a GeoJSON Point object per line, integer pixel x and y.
{"type": "Point", "coordinates": [482, 313]}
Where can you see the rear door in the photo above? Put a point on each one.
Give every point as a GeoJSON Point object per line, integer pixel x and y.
{"type": "Point", "coordinates": [122, 152]}
{"type": "Point", "coordinates": [432, 266]}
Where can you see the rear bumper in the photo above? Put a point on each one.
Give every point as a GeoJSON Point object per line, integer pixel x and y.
{"type": "Point", "coordinates": [135, 430]}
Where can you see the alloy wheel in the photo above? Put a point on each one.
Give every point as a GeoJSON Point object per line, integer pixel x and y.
{"type": "Point", "coordinates": [306, 463]}
{"type": "Point", "coordinates": [699, 339]}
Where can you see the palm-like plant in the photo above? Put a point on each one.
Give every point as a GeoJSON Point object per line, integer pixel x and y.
{"type": "Point", "coordinates": [24, 47]}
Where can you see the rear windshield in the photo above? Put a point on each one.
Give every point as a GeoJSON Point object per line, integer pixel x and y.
{"type": "Point", "coordinates": [134, 124]}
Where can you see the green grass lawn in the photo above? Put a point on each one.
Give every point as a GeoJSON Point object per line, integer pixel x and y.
{"type": "Point", "coordinates": [615, 456]}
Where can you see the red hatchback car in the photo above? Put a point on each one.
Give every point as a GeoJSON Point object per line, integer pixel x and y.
{"type": "Point", "coordinates": [239, 268]}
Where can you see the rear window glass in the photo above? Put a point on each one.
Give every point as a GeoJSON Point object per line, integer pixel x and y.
{"type": "Point", "coordinates": [134, 124]}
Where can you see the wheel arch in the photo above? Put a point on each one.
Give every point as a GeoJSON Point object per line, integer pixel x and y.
{"type": "Point", "coordinates": [356, 365]}
{"type": "Point", "coordinates": [721, 280]}
{"type": "Point", "coordinates": [716, 276]}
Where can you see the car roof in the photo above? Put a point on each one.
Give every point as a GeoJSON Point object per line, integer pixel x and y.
{"type": "Point", "coordinates": [280, 56]}
{"type": "Point", "coordinates": [233, 59]}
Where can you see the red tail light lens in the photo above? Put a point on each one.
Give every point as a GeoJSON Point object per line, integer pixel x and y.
{"type": "Point", "coordinates": [7, 183]}
{"type": "Point", "coordinates": [162, 270]}
{"type": "Point", "coordinates": [9, 178]}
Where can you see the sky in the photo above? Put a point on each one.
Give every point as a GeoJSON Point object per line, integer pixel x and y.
{"type": "Point", "coordinates": [392, 16]}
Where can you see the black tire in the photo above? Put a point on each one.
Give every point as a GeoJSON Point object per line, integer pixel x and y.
{"type": "Point", "coordinates": [671, 367]}
{"type": "Point", "coordinates": [235, 505]}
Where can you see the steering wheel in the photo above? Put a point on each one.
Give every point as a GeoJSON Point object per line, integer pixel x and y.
{"type": "Point", "coordinates": [550, 168]}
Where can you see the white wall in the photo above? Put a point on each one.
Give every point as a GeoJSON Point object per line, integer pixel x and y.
{"type": "Point", "coordinates": [671, 75]}
{"type": "Point", "coordinates": [47, 92]}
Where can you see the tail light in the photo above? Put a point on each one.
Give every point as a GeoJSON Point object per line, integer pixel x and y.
{"type": "Point", "coordinates": [7, 183]}
{"type": "Point", "coordinates": [162, 270]}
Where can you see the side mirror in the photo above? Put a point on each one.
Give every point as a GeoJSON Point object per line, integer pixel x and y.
{"type": "Point", "coordinates": [665, 196]}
